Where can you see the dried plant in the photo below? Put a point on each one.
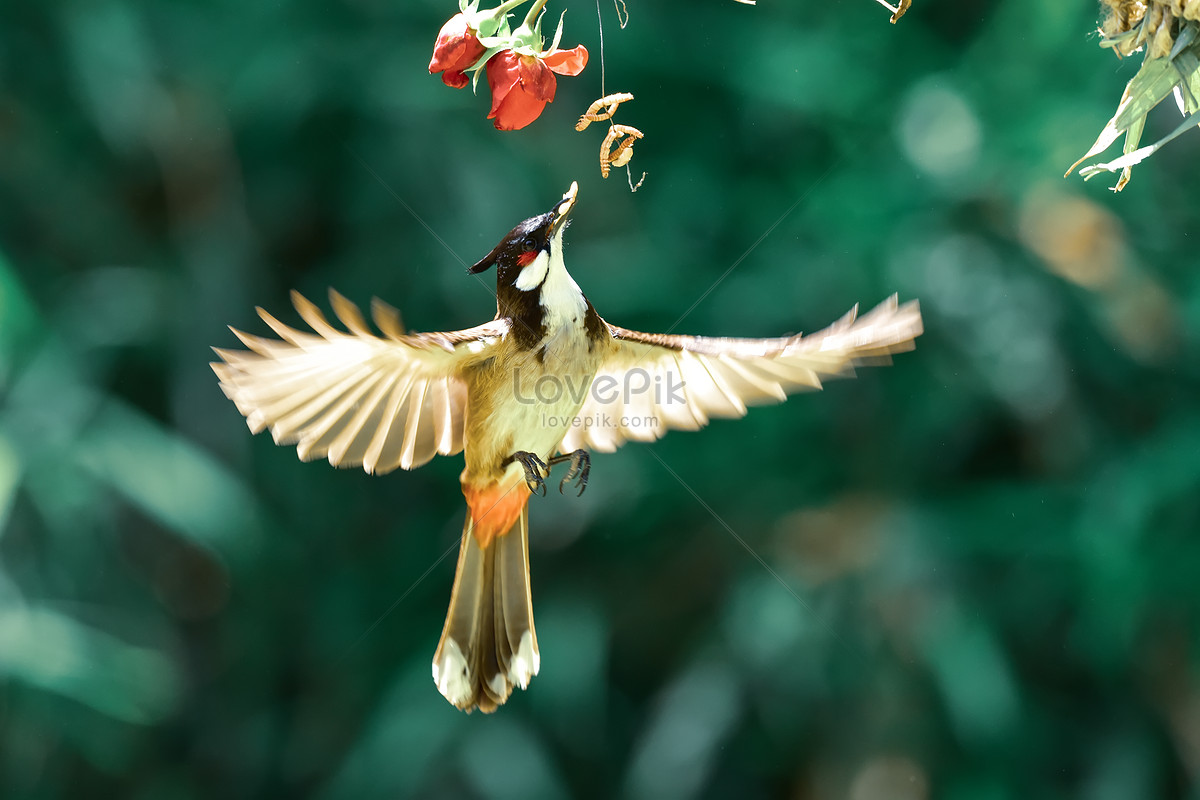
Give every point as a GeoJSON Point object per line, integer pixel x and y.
{"type": "Point", "coordinates": [1167, 31]}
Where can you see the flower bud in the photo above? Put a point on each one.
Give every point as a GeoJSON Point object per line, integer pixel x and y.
{"type": "Point", "coordinates": [456, 49]}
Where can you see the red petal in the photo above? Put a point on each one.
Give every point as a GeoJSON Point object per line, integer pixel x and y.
{"type": "Point", "coordinates": [567, 62]}
{"type": "Point", "coordinates": [455, 79]}
{"type": "Point", "coordinates": [536, 78]}
{"type": "Point", "coordinates": [454, 27]}
{"type": "Point", "coordinates": [516, 111]}
{"type": "Point", "coordinates": [503, 73]}
{"type": "Point", "coordinates": [456, 47]}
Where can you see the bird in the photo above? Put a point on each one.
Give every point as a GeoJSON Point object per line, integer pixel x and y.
{"type": "Point", "coordinates": [546, 382]}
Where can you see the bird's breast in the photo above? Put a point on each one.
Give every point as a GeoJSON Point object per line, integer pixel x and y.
{"type": "Point", "coordinates": [527, 398]}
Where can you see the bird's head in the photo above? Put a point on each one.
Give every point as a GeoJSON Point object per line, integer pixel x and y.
{"type": "Point", "coordinates": [522, 258]}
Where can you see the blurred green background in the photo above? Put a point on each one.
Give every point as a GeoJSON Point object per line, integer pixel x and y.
{"type": "Point", "coordinates": [983, 561]}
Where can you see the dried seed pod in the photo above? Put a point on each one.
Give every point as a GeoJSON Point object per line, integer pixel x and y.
{"type": "Point", "coordinates": [624, 150]}
{"type": "Point", "coordinates": [609, 103]}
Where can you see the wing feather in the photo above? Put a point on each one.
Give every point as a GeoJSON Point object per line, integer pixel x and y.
{"type": "Point", "coordinates": [751, 383]}
{"type": "Point", "coordinates": [312, 315]}
{"type": "Point", "coordinates": [349, 446]}
{"type": "Point", "coordinates": [288, 334]}
{"type": "Point", "coordinates": [325, 429]}
{"type": "Point", "coordinates": [379, 454]}
{"type": "Point", "coordinates": [353, 396]}
{"type": "Point", "coordinates": [449, 399]}
{"type": "Point", "coordinates": [417, 438]}
{"type": "Point", "coordinates": [349, 315]}
{"type": "Point", "coordinates": [298, 422]}
{"type": "Point", "coordinates": [693, 379]}
{"type": "Point", "coordinates": [387, 319]}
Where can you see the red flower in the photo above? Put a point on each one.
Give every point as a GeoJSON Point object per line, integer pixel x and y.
{"type": "Point", "coordinates": [522, 85]}
{"type": "Point", "coordinates": [456, 49]}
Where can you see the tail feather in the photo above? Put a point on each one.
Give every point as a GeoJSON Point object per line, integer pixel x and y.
{"type": "Point", "coordinates": [488, 644]}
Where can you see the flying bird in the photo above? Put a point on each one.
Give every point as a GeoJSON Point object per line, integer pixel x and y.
{"type": "Point", "coordinates": [545, 382]}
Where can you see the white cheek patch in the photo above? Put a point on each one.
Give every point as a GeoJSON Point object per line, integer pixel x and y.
{"type": "Point", "coordinates": [532, 275]}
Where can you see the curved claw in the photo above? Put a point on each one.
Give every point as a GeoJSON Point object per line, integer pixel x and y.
{"type": "Point", "coordinates": [581, 483]}
{"type": "Point", "coordinates": [581, 465]}
{"type": "Point", "coordinates": [535, 470]}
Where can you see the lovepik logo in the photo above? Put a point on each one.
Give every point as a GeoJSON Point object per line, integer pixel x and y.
{"type": "Point", "coordinates": [601, 420]}
{"type": "Point", "coordinates": [635, 385]}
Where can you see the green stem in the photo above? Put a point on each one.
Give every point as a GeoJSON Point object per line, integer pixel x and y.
{"type": "Point", "coordinates": [491, 19]}
{"type": "Point", "coordinates": [534, 10]}
{"type": "Point", "coordinates": [505, 7]}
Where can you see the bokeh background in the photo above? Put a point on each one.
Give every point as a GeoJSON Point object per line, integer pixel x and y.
{"type": "Point", "coordinates": [973, 575]}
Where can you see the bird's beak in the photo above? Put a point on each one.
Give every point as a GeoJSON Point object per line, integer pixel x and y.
{"type": "Point", "coordinates": [564, 208]}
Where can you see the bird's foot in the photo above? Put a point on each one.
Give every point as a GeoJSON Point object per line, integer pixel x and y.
{"type": "Point", "coordinates": [581, 465]}
{"type": "Point", "coordinates": [535, 470]}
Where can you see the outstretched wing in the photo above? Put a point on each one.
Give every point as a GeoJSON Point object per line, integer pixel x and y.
{"type": "Point", "coordinates": [355, 397]}
{"type": "Point", "coordinates": [651, 383]}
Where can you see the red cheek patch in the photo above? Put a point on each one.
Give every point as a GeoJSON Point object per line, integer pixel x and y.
{"type": "Point", "coordinates": [526, 258]}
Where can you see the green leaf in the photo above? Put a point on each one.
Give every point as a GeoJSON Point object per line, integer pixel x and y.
{"type": "Point", "coordinates": [1130, 158]}
{"type": "Point", "coordinates": [1153, 82]}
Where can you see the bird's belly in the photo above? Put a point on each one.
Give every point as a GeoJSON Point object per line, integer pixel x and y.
{"type": "Point", "coordinates": [530, 405]}
{"type": "Point", "coordinates": [539, 416]}
{"type": "Point", "coordinates": [546, 395]}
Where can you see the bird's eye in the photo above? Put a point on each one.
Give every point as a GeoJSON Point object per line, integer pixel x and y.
{"type": "Point", "coordinates": [529, 243]}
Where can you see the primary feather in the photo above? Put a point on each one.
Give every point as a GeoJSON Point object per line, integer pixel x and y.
{"type": "Point", "coordinates": [354, 397]}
